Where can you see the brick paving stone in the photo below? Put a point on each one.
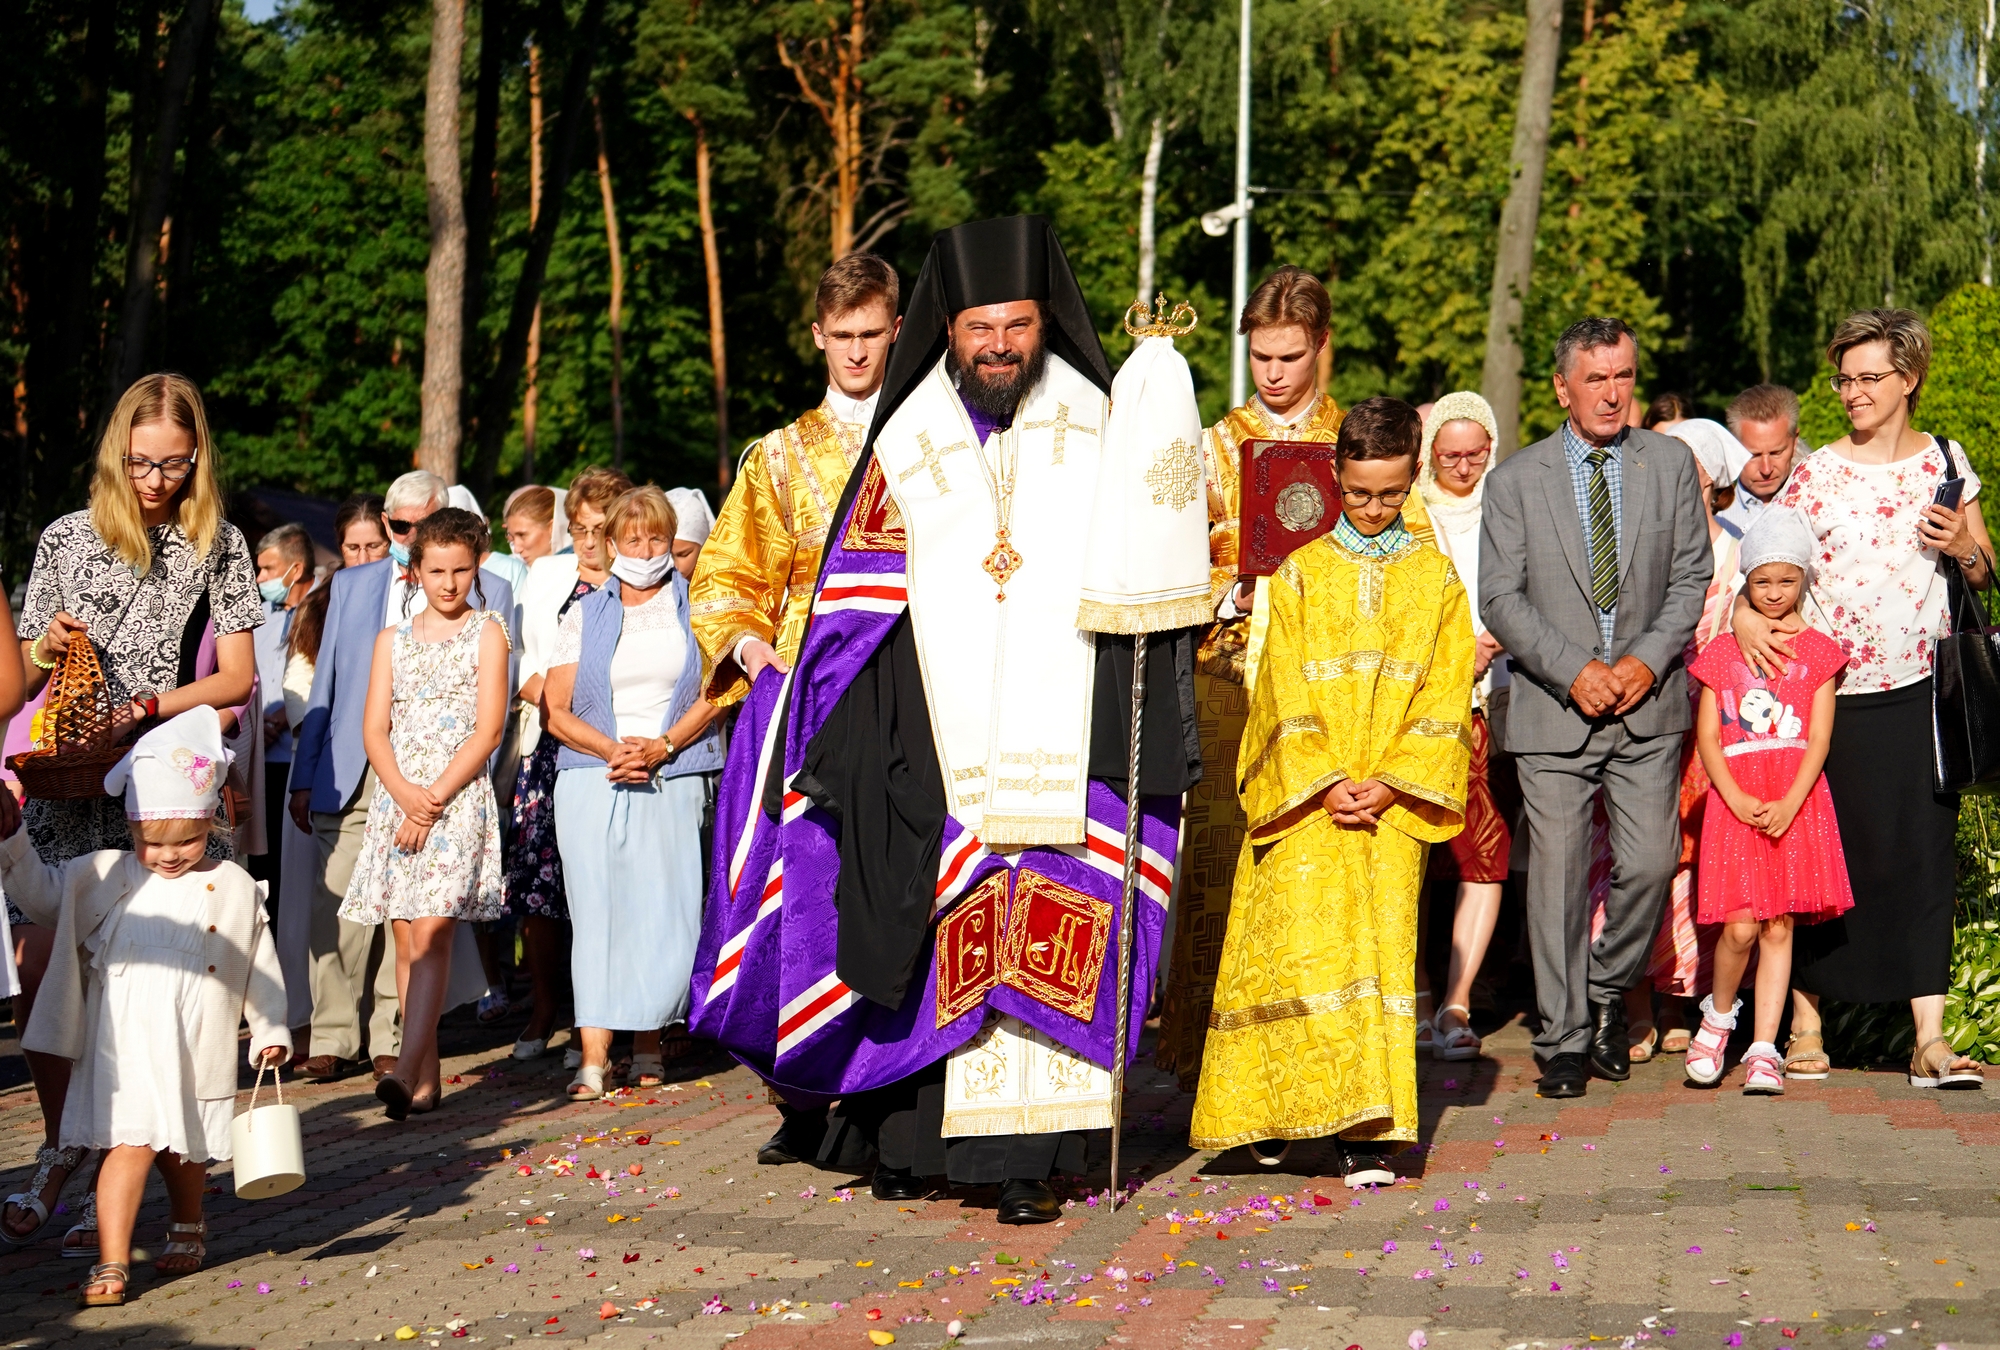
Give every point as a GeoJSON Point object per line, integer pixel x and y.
{"type": "Point", "coordinates": [1846, 1210]}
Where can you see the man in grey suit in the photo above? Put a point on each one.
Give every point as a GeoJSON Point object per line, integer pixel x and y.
{"type": "Point", "coordinates": [1593, 560]}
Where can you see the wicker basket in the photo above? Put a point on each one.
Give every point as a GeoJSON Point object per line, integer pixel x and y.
{"type": "Point", "coordinates": [77, 745]}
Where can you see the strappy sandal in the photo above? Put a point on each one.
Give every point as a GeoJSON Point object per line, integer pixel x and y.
{"type": "Point", "coordinates": [180, 1249]}
{"type": "Point", "coordinates": [102, 1276]}
{"type": "Point", "coordinates": [1675, 1041]}
{"type": "Point", "coordinates": [1642, 1049]}
{"type": "Point", "coordinates": [47, 1160]}
{"type": "Point", "coordinates": [1763, 1074]}
{"type": "Point", "coordinates": [646, 1071]}
{"type": "Point", "coordinates": [83, 1248]}
{"type": "Point", "coordinates": [1711, 1043]}
{"type": "Point", "coordinates": [1453, 1043]}
{"type": "Point", "coordinates": [588, 1085]}
{"type": "Point", "coordinates": [1804, 1049]}
{"type": "Point", "coordinates": [1946, 1076]}
{"type": "Point", "coordinates": [675, 1043]}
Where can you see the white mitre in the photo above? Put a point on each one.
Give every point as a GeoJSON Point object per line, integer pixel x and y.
{"type": "Point", "coordinates": [1146, 563]}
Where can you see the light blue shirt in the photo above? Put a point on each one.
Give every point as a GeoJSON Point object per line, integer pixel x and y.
{"type": "Point", "coordinates": [1578, 450]}
{"type": "Point", "coordinates": [269, 640]}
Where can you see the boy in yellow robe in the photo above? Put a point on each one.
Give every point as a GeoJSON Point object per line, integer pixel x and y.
{"type": "Point", "coordinates": [1353, 763]}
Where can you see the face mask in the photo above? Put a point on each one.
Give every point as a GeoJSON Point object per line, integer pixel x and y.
{"type": "Point", "coordinates": [275, 590]}
{"type": "Point", "coordinates": [645, 573]}
{"type": "Point", "coordinates": [401, 553]}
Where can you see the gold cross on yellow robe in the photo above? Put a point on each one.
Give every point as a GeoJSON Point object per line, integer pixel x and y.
{"type": "Point", "coordinates": [1367, 674]}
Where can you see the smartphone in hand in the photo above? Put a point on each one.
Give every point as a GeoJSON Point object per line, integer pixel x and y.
{"type": "Point", "coordinates": [1949, 493]}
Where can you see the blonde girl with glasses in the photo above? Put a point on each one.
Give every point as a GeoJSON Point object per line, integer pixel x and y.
{"type": "Point", "coordinates": [138, 574]}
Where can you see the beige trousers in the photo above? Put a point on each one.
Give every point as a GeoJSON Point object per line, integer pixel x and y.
{"type": "Point", "coordinates": [348, 958]}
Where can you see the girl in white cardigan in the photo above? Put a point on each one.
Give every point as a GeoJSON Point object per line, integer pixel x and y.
{"type": "Point", "coordinates": [159, 953]}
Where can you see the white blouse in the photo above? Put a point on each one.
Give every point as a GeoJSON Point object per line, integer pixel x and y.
{"type": "Point", "coordinates": [550, 582]}
{"type": "Point", "coordinates": [652, 650]}
{"type": "Point", "coordinates": [1876, 591]}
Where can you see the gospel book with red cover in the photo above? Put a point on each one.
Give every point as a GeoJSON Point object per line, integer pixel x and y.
{"type": "Point", "coordinates": [1290, 498]}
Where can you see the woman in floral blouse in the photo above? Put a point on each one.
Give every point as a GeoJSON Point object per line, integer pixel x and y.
{"type": "Point", "coordinates": [139, 575]}
{"type": "Point", "coordinates": [1878, 590]}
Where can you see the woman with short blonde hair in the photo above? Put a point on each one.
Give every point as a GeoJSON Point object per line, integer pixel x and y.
{"type": "Point", "coordinates": [139, 575]}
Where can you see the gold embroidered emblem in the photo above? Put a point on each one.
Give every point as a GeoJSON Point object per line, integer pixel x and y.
{"type": "Point", "coordinates": [1063, 426]}
{"type": "Point", "coordinates": [1299, 507]}
{"type": "Point", "coordinates": [875, 526]}
{"type": "Point", "coordinates": [968, 948]}
{"type": "Point", "coordinates": [1175, 475]}
{"type": "Point", "coordinates": [932, 459]}
{"type": "Point", "coordinates": [1054, 947]}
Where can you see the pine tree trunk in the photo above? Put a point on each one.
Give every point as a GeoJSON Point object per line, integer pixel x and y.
{"type": "Point", "coordinates": [1514, 260]}
{"type": "Point", "coordinates": [711, 256]}
{"type": "Point", "coordinates": [482, 184]}
{"type": "Point", "coordinates": [127, 357]}
{"type": "Point", "coordinates": [617, 291]}
{"type": "Point", "coordinates": [1149, 201]}
{"type": "Point", "coordinates": [531, 401]}
{"type": "Point", "coordinates": [444, 278]}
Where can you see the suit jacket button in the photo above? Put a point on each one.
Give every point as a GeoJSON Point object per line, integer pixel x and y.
{"type": "Point", "coordinates": [211, 970]}
{"type": "Point", "coordinates": [211, 928]}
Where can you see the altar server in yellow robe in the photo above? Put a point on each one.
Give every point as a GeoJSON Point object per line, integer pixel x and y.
{"type": "Point", "coordinates": [748, 598]}
{"type": "Point", "coordinates": [1353, 763]}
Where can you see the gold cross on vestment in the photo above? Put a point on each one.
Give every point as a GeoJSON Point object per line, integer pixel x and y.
{"type": "Point", "coordinates": [932, 459]}
{"type": "Point", "coordinates": [1063, 426]}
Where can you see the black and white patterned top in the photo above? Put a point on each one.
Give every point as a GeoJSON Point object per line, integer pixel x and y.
{"type": "Point", "coordinates": [139, 625]}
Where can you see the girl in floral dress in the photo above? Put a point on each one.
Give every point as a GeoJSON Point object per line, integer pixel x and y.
{"type": "Point", "coordinates": [430, 856]}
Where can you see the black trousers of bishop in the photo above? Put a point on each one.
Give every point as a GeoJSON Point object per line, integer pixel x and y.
{"type": "Point", "coordinates": [904, 1122]}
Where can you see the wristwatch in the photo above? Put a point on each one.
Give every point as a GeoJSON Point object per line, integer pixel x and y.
{"type": "Point", "coordinates": [149, 703]}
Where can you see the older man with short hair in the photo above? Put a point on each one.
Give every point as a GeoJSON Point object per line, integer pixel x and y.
{"type": "Point", "coordinates": [1765, 417]}
{"type": "Point", "coordinates": [332, 784]}
{"type": "Point", "coordinates": [1594, 557]}
{"type": "Point", "coordinates": [284, 579]}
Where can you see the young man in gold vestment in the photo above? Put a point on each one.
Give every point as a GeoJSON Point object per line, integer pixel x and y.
{"type": "Point", "coordinates": [1286, 319]}
{"type": "Point", "coordinates": [748, 599]}
{"type": "Point", "coordinates": [1353, 763]}
{"type": "Point", "coordinates": [751, 590]}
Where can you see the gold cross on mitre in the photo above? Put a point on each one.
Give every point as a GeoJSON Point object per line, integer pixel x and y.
{"type": "Point", "coordinates": [932, 459]}
{"type": "Point", "coordinates": [1063, 426]}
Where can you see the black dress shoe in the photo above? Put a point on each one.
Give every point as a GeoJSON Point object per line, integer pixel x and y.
{"type": "Point", "coordinates": [1023, 1201]}
{"type": "Point", "coordinates": [1610, 1047]}
{"type": "Point", "coordinates": [1563, 1076]}
{"type": "Point", "coordinates": [890, 1184]}
{"type": "Point", "coordinates": [1362, 1165]}
{"type": "Point", "coordinates": [797, 1140]}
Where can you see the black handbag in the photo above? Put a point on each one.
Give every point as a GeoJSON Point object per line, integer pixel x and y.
{"type": "Point", "coordinates": [1965, 685]}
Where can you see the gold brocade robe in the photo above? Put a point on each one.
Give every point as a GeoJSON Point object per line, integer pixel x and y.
{"type": "Point", "coordinates": [1213, 816]}
{"type": "Point", "coordinates": [756, 574]}
{"type": "Point", "coordinates": [1367, 674]}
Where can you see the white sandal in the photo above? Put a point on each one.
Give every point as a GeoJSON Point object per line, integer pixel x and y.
{"type": "Point", "coordinates": [646, 1071]}
{"type": "Point", "coordinates": [1458, 1043]}
{"type": "Point", "coordinates": [1426, 1026]}
{"type": "Point", "coordinates": [183, 1239]}
{"type": "Point", "coordinates": [1705, 1052]}
{"type": "Point", "coordinates": [588, 1085]}
{"type": "Point", "coordinates": [47, 1160]}
{"type": "Point", "coordinates": [83, 1251]}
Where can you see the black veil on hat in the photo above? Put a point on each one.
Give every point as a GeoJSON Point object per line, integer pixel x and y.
{"type": "Point", "coordinates": [990, 262]}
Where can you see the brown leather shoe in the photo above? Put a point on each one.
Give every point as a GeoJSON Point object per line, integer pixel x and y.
{"type": "Point", "coordinates": [384, 1066]}
{"type": "Point", "coordinates": [326, 1068]}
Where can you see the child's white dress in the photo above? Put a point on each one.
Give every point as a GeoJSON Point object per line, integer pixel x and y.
{"type": "Point", "coordinates": [142, 1019]}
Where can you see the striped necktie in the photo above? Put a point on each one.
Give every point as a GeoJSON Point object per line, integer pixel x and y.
{"type": "Point", "coordinates": [1603, 535]}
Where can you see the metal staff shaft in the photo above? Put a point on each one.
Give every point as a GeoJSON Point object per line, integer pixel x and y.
{"type": "Point", "coordinates": [1128, 892]}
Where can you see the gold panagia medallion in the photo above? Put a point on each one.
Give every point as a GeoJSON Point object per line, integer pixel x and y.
{"type": "Point", "coordinates": [1002, 563]}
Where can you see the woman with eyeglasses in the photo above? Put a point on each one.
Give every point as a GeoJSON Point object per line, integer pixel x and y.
{"type": "Point", "coordinates": [1459, 433]}
{"type": "Point", "coordinates": [1872, 499]}
{"type": "Point", "coordinates": [139, 575]}
{"type": "Point", "coordinates": [535, 894]}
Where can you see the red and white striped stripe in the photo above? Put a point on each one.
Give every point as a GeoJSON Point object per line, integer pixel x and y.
{"type": "Point", "coordinates": [747, 831]}
{"type": "Point", "coordinates": [796, 804]}
{"type": "Point", "coordinates": [872, 592]}
{"type": "Point", "coordinates": [730, 958]}
{"type": "Point", "coordinates": [1104, 849]}
{"type": "Point", "coordinates": [827, 999]}
{"type": "Point", "coordinates": [956, 867]}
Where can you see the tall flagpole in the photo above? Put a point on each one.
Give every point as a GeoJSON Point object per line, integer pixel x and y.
{"type": "Point", "coordinates": [1239, 346]}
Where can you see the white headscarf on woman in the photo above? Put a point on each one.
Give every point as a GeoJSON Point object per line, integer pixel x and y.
{"type": "Point", "coordinates": [1716, 449]}
{"type": "Point", "coordinates": [559, 526]}
{"type": "Point", "coordinates": [692, 518]}
{"type": "Point", "coordinates": [1461, 406]}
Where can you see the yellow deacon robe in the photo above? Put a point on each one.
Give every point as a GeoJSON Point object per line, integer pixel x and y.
{"type": "Point", "coordinates": [756, 574]}
{"type": "Point", "coordinates": [1214, 818]}
{"type": "Point", "coordinates": [1367, 673]}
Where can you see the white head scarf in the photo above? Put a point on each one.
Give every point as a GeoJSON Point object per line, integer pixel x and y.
{"type": "Point", "coordinates": [461, 497]}
{"type": "Point", "coordinates": [692, 518]}
{"type": "Point", "coordinates": [1461, 406]}
{"type": "Point", "coordinates": [175, 771]}
{"type": "Point", "coordinates": [559, 526]}
{"type": "Point", "coordinates": [1780, 534]}
{"type": "Point", "coordinates": [1715, 447]}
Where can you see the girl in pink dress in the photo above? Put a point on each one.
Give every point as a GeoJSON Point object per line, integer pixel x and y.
{"type": "Point", "coordinates": [1770, 851]}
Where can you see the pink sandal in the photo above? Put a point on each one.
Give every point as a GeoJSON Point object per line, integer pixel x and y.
{"type": "Point", "coordinates": [1763, 1072]}
{"type": "Point", "coordinates": [1705, 1051]}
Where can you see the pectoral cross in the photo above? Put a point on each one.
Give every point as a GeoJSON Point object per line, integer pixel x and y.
{"type": "Point", "coordinates": [1063, 426]}
{"type": "Point", "coordinates": [932, 459]}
